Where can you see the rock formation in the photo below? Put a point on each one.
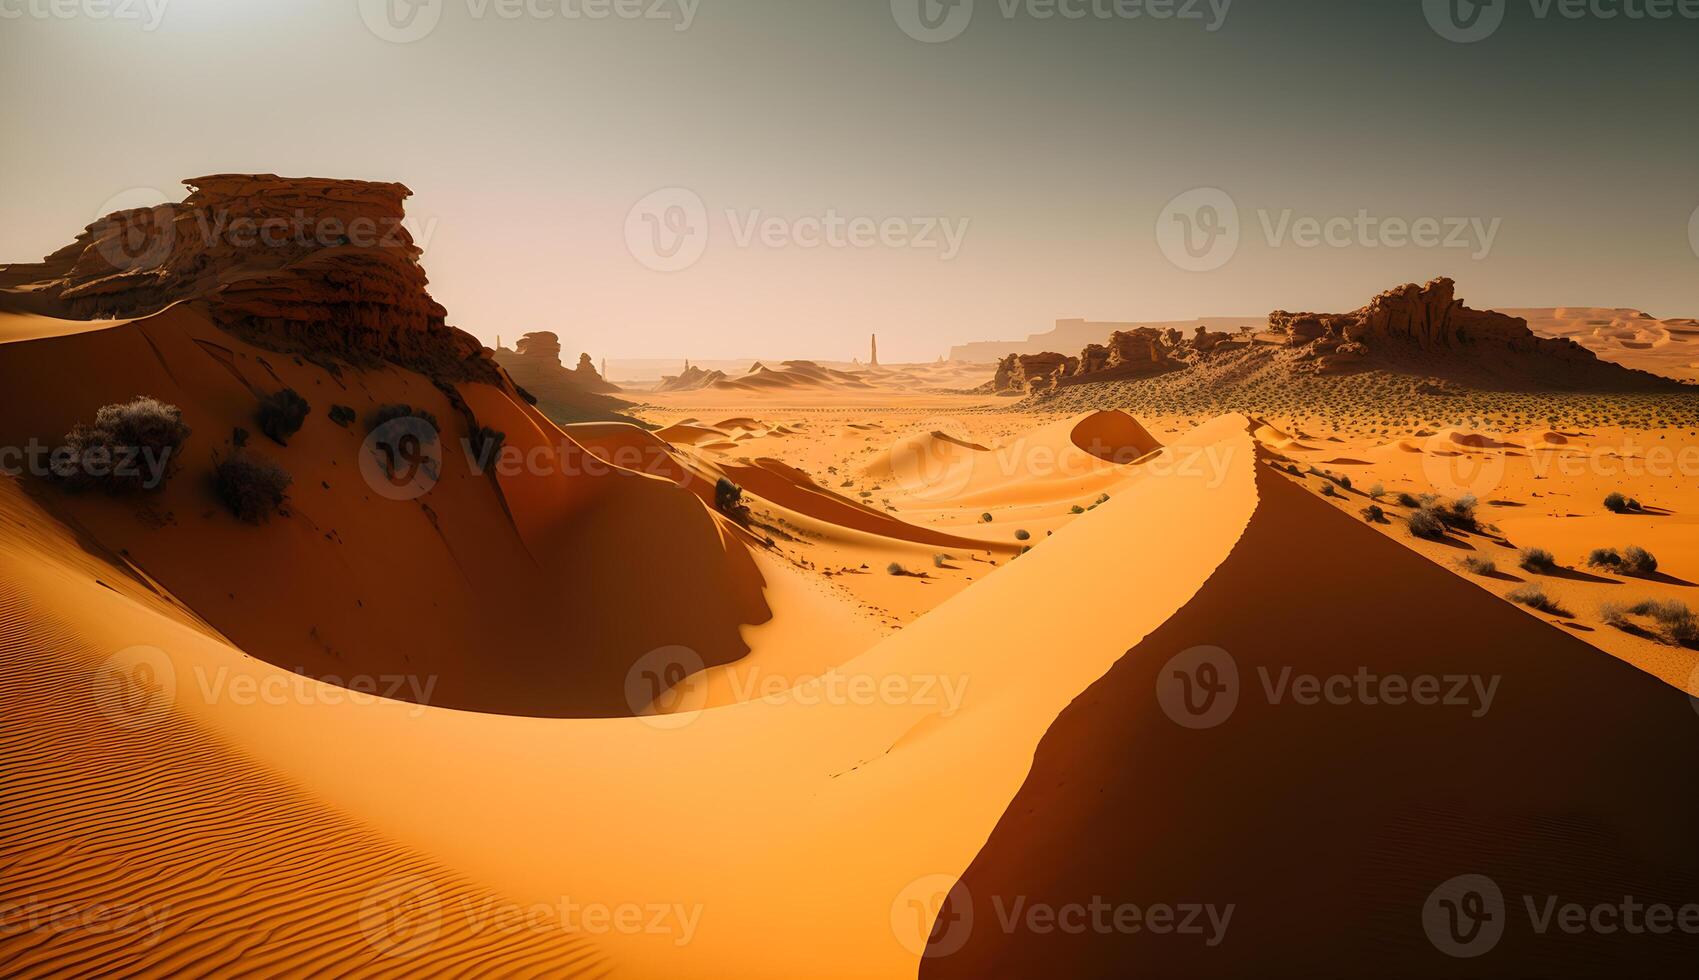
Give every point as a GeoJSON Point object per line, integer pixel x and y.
{"type": "Point", "coordinates": [312, 265]}
{"type": "Point", "coordinates": [535, 363]}
{"type": "Point", "coordinates": [1426, 318]}
{"type": "Point", "coordinates": [1031, 373]}
{"type": "Point", "coordinates": [693, 379]}
{"type": "Point", "coordinates": [1135, 353]}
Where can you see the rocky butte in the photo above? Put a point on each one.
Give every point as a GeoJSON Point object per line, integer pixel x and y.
{"type": "Point", "coordinates": [312, 265]}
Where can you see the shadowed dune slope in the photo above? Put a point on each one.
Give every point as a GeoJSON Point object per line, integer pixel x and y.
{"type": "Point", "coordinates": [1328, 826]}
{"type": "Point", "coordinates": [529, 590]}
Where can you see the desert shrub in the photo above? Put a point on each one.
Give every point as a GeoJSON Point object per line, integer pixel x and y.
{"type": "Point", "coordinates": [1021, 534]}
{"type": "Point", "coordinates": [342, 415]}
{"type": "Point", "coordinates": [1616, 503]}
{"type": "Point", "coordinates": [1377, 491]}
{"type": "Point", "coordinates": [1405, 500]}
{"type": "Point", "coordinates": [129, 447]}
{"type": "Point", "coordinates": [1076, 509]}
{"type": "Point", "coordinates": [424, 424]}
{"type": "Point", "coordinates": [939, 561]}
{"type": "Point", "coordinates": [985, 518]}
{"type": "Point", "coordinates": [1476, 565]}
{"type": "Point", "coordinates": [281, 414]}
{"type": "Point", "coordinates": [485, 444]}
{"type": "Point", "coordinates": [1374, 515]}
{"type": "Point", "coordinates": [1535, 597]}
{"type": "Point", "coordinates": [728, 496]}
{"type": "Point", "coordinates": [1345, 482]}
{"type": "Point", "coordinates": [1461, 514]}
{"type": "Point", "coordinates": [1638, 561]}
{"type": "Point", "coordinates": [1425, 523]}
{"type": "Point", "coordinates": [400, 432]}
{"type": "Point", "coordinates": [1676, 623]}
{"type": "Point", "coordinates": [252, 486]}
{"type": "Point", "coordinates": [1537, 560]}
{"type": "Point", "coordinates": [1604, 558]}
{"type": "Point", "coordinates": [896, 568]}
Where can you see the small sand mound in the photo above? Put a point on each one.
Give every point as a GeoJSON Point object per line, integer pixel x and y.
{"type": "Point", "coordinates": [1114, 437]}
{"type": "Point", "coordinates": [691, 435]}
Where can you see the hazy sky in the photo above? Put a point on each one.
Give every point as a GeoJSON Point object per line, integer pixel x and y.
{"type": "Point", "coordinates": [1049, 147]}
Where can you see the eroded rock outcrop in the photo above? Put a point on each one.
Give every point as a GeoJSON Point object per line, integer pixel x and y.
{"type": "Point", "coordinates": [691, 379]}
{"type": "Point", "coordinates": [313, 265]}
{"type": "Point", "coordinates": [1031, 373]}
{"type": "Point", "coordinates": [535, 363]}
{"type": "Point", "coordinates": [1429, 318]}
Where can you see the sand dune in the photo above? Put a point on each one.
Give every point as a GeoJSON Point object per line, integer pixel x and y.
{"type": "Point", "coordinates": [874, 768]}
{"type": "Point", "coordinates": [474, 582]}
{"type": "Point", "coordinates": [896, 799]}
{"type": "Point", "coordinates": [1522, 794]}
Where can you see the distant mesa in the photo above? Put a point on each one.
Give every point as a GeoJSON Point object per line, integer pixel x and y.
{"type": "Point", "coordinates": [1409, 329]}
{"type": "Point", "coordinates": [1074, 333]}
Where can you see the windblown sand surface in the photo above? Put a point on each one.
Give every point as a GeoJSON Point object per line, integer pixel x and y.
{"type": "Point", "coordinates": [923, 673]}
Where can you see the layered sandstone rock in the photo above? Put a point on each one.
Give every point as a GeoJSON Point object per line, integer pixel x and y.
{"type": "Point", "coordinates": [312, 264]}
